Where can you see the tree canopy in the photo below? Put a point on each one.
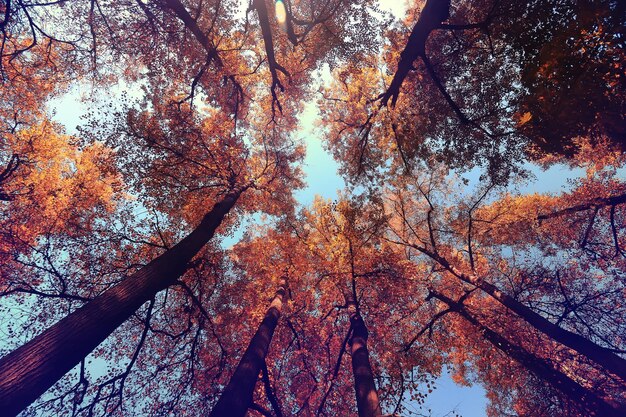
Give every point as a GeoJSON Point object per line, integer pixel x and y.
{"type": "Point", "coordinates": [156, 259]}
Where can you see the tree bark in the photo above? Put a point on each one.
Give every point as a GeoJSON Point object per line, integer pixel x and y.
{"type": "Point", "coordinates": [274, 66]}
{"type": "Point", "coordinates": [578, 394]}
{"type": "Point", "coordinates": [27, 372]}
{"type": "Point", "coordinates": [364, 387]}
{"type": "Point", "coordinates": [598, 354]}
{"type": "Point", "coordinates": [433, 13]}
{"type": "Point", "coordinates": [237, 396]}
{"type": "Point", "coordinates": [594, 203]}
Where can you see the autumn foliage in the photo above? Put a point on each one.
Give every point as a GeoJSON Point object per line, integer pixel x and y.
{"type": "Point", "coordinates": [157, 260]}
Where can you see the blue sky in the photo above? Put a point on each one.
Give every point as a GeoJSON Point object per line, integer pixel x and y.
{"type": "Point", "coordinates": [322, 179]}
{"type": "Point", "coordinates": [319, 166]}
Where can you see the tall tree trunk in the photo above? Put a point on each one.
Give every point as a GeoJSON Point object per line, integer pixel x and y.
{"type": "Point", "coordinates": [237, 396]}
{"type": "Point", "coordinates": [433, 14]}
{"type": "Point", "coordinates": [364, 387]}
{"type": "Point", "coordinates": [27, 372]}
{"type": "Point", "coordinates": [576, 393]}
{"type": "Point", "coordinates": [598, 202]}
{"type": "Point", "coordinates": [600, 355]}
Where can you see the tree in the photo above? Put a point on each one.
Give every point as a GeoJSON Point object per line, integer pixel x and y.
{"type": "Point", "coordinates": [83, 330]}
{"type": "Point", "coordinates": [575, 392]}
{"type": "Point", "coordinates": [237, 396]}
{"type": "Point", "coordinates": [408, 273]}
{"type": "Point", "coordinates": [25, 377]}
{"type": "Point", "coordinates": [419, 100]}
{"type": "Point", "coordinates": [466, 238]}
{"type": "Point", "coordinates": [342, 238]}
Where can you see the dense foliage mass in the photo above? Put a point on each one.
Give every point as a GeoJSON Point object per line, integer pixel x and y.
{"type": "Point", "coordinates": [122, 292]}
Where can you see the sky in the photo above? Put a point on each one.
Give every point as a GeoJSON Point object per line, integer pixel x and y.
{"type": "Point", "coordinates": [322, 179]}
{"type": "Point", "coordinates": [319, 166]}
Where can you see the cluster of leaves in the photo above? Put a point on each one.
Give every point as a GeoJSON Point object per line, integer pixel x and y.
{"type": "Point", "coordinates": [480, 282]}
{"type": "Point", "coordinates": [488, 84]}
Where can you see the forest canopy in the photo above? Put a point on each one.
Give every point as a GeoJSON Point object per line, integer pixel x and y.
{"type": "Point", "coordinates": [157, 260]}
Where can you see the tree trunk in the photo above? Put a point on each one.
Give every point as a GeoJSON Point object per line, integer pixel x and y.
{"type": "Point", "coordinates": [364, 387]}
{"type": "Point", "coordinates": [433, 13]}
{"type": "Point", "coordinates": [27, 372]}
{"type": "Point", "coordinates": [576, 393]}
{"type": "Point", "coordinates": [237, 396]}
{"type": "Point", "coordinates": [600, 355]}
{"type": "Point", "coordinates": [594, 203]}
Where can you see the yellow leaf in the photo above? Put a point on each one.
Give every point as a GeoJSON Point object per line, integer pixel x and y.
{"type": "Point", "coordinates": [525, 118]}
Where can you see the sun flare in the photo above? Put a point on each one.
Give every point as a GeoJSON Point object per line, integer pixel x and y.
{"type": "Point", "coordinates": [281, 13]}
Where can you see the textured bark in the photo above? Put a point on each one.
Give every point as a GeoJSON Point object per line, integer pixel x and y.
{"type": "Point", "coordinates": [191, 24]}
{"type": "Point", "coordinates": [598, 354]}
{"type": "Point", "coordinates": [593, 204]}
{"type": "Point", "coordinates": [266, 30]}
{"type": "Point", "coordinates": [30, 370]}
{"type": "Point", "coordinates": [576, 393]}
{"type": "Point", "coordinates": [364, 387]}
{"type": "Point", "coordinates": [237, 396]}
{"type": "Point", "coordinates": [433, 13]}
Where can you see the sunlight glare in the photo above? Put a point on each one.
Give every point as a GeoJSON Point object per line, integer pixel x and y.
{"type": "Point", "coordinates": [397, 7]}
{"type": "Point", "coordinates": [281, 13]}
